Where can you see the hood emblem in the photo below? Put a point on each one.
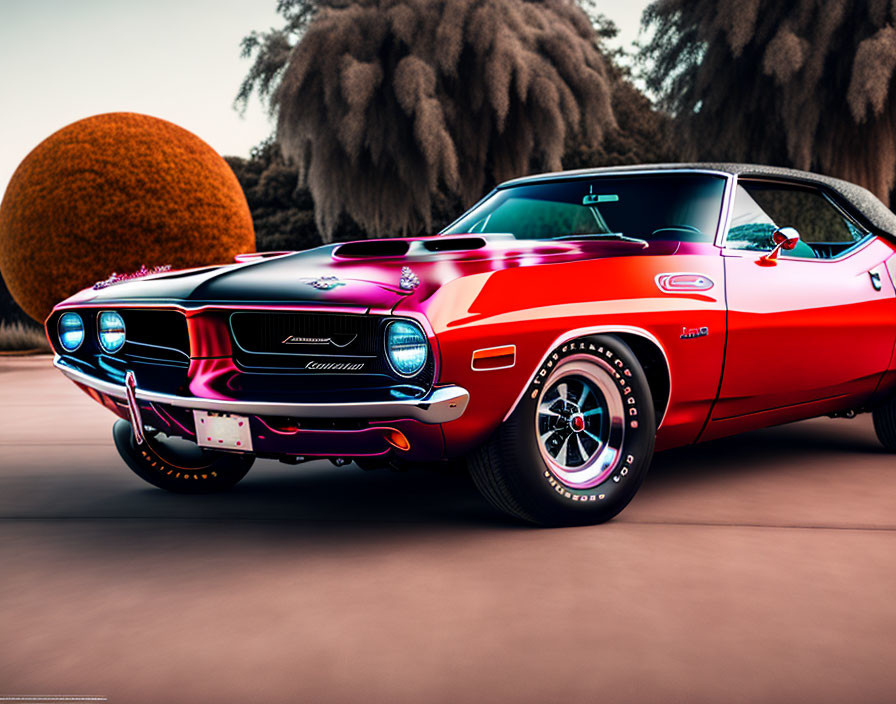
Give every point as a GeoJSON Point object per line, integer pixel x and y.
{"type": "Point", "coordinates": [325, 283]}
{"type": "Point", "coordinates": [409, 280]}
{"type": "Point", "coordinates": [335, 340]}
{"type": "Point", "coordinates": [115, 278]}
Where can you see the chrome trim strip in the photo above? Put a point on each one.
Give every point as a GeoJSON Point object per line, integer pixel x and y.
{"type": "Point", "coordinates": [200, 306]}
{"type": "Point", "coordinates": [597, 329]}
{"type": "Point", "coordinates": [441, 405]}
{"type": "Point", "coordinates": [579, 174]}
{"type": "Point", "coordinates": [727, 211]}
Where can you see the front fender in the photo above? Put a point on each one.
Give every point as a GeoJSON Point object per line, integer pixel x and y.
{"type": "Point", "coordinates": [538, 308]}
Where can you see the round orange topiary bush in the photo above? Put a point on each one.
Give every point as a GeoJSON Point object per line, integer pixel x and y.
{"type": "Point", "coordinates": [111, 193]}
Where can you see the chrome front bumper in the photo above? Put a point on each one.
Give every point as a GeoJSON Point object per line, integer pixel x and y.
{"type": "Point", "coordinates": [441, 405]}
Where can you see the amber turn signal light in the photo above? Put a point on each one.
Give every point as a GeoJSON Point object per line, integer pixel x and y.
{"type": "Point", "coordinates": [494, 358]}
{"type": "Point", "coordinates": [397, 440]}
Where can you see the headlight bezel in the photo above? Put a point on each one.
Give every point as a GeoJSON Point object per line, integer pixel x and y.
{"type": "Point", "coordinates": [112, 349]}
{"type": "Point", "coordinates": [60, 332]}
{"type": "Point", "coordinates": [388, 345]}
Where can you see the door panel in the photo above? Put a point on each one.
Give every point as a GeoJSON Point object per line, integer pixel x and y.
{"type": "Point", "coordinates": [805, 330]}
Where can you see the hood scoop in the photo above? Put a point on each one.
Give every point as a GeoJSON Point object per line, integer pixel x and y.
{"type": "Point", "coordinates": [376, 249]}
{"type": "Point", "coordinates": [373, 248]}
{"type": "Point", "coordinates": [454, 244]}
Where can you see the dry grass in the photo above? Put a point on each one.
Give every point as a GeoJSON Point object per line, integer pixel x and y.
{"type": "Point", "coordinates": [22, 337]}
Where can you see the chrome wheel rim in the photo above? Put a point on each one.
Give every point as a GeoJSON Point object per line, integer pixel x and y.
{"type": "Point", "coordinates": [580, 423]}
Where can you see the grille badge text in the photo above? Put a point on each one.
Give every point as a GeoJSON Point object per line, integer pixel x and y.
{"type": "Point", "coordinates": [335, 366]}
{"type": "Point", "coordinates": [335, 340]}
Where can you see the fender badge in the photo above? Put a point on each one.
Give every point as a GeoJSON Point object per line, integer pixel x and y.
{"type": "Point", "coordinates": [691, 333]}
{"type": "Point", "coordinates": [325, 283]}
{"type": "Point", "coordinates": [409, 280]}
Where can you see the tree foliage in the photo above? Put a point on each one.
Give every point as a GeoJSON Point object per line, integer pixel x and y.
{"type": "Point", "coordinates": [644, 134]}
{"type": "Point", "coordinates": [10, 311]}
{"type": "Point", "coordinates": [282, 214]}
{"type": "Point", "coordinates": [383, 104]}
{"type": "Point", "coordinates": [804, 83]}
{"type": "Point", "coordinates": [270, 50]}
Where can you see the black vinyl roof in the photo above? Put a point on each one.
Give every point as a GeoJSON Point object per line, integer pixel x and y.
{"type": "Point", "coordinates": [861, 199]}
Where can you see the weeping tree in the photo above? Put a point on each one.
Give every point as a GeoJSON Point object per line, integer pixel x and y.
{"type": "Point", "coordinates": [387, 107]}
{"type": "Point", "coordinates": [642, 134]}
{"type": "Point", "coordinates": [804, 83]}
{"type": "Point", "coordinates": [270, 50]}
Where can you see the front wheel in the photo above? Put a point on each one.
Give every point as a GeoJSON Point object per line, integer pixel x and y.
{"type": "Point", "coordinates": [884, 418]}
{"type": "Point", "coordinates": [578, 445]}
{"type": "Point", "coordinates": [178, 465]}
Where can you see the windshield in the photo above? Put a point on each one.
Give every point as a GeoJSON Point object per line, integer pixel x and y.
{"type": "Point", "coordinates": [679, 206]}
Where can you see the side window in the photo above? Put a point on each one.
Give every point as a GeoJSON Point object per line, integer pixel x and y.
{"type": "Point", "coordinates": [762, 207]}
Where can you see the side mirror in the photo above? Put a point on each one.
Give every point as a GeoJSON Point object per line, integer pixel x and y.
{"type": "Point", "coordinates": [786, 238]}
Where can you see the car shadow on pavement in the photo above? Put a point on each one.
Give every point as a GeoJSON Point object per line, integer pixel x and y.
{"type": "Point", "coordinates": [820, 441]}
{"type": "Point", "coordinates": [349, 500]}
{"type": "Point", "coordinates": [322, 493]}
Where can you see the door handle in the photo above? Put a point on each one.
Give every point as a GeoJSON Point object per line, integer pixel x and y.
{"type": "Point", "coordinates": [683, 283]}
{"type": "Point", "coordinates": [875, 280]}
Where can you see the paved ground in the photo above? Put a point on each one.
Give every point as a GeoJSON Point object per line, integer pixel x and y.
{"type": "Point", "coordinates": [755, 569]}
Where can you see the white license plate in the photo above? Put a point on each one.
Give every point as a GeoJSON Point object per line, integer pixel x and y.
{"type": "Point", "coordinates": [223, 431]}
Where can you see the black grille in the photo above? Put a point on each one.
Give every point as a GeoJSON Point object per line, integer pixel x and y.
{"type": "Point", "coordinates": [158, 335]}
{"type": "Point", "coordinates": [326, 351]}
{"type": "Point", "coordinates": [306, 334]}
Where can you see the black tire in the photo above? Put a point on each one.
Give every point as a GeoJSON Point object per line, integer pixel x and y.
{"type": "Point", "coordinates": [516, 469]}
{"type": "Point", "coordinates": [884, 417]}
{"type": "Point", "coordinates": [179, 466]}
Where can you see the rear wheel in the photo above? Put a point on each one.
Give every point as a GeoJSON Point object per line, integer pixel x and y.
{"type": "Point", "coordinates": [178, 465]}
{"type": "Point", "coordinates": [579, 443]}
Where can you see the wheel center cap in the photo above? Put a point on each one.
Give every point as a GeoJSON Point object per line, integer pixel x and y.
{"type": "Point", "coordinates": [577, 422]}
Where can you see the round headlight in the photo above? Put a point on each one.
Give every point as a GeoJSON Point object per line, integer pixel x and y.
{"type": "Point", "coordinates": [110, 328]}
{"type": "Point", "coordinates": [406, 347]}
{"type": "Point", "coordinates": [71, 331]}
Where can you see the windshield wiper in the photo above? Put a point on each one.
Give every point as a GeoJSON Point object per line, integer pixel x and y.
{"type": "Point", "coordinates": [605, 236]}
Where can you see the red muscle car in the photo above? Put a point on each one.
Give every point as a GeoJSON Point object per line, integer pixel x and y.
{"type": "Point", "coordinates": [554, 337]}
